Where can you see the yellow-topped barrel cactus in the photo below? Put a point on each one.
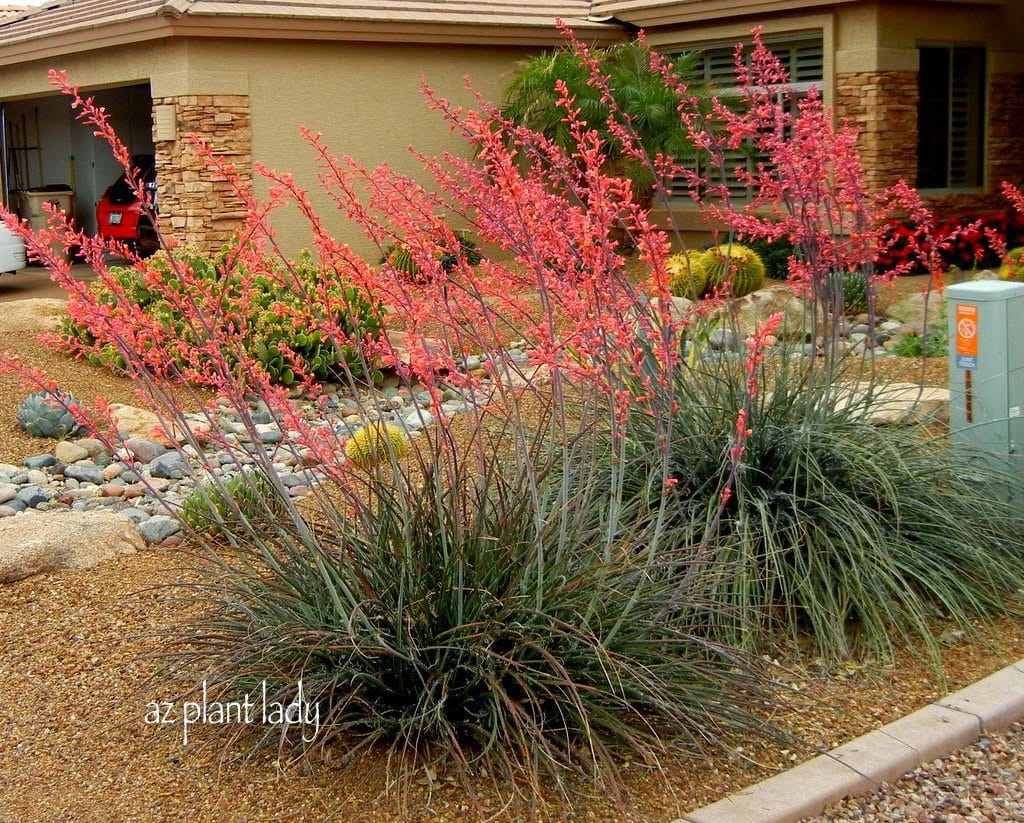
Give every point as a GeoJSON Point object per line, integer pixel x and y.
{"type": "Point", "coordinates": [686, 274]}
{"type": "Point", "coordinates": [1013, 265]}
{"type": "Point", "coordinates": [736, 264]}
{"type": "Point", "coordinates": [376, 443]}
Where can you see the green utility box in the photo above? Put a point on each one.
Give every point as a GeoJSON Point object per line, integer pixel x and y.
{"type": "Point", "coordinates": [986, 369]}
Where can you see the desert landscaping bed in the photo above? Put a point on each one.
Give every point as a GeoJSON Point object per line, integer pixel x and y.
{"type": "Point", "coordinates": [78, 671]}
{"type": "Point", "coordinates": [77, 674]}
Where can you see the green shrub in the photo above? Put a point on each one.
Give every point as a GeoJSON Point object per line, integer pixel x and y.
{"type": "Point", "coordinates": [218, 506]}
{"type": "Point", "coordinates": [270, 331]}
{"type": "Point", "coordinates": [933, 343]}
{"type": "Point", "coordinates": [775, 254]}
{"type": "Point", "coordinates": [399, 256]}
{"type": "Point", "coordinates": [852, 536]}
{"type": "Point", "coordinates": [1013, 265]}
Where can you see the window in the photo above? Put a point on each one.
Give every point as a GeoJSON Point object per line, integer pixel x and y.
{"type": "Point", "coordinates": [804, 62]}
{"type": "Point", "coordinates": [951, 118]}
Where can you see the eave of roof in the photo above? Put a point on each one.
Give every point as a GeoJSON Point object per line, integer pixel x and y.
{"type": "Point", "coordinates": [81, 25]}
{"type": "Point", "coordinates": [651, 13]}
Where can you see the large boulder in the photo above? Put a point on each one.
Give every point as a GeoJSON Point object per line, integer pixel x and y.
{"type": "Point", "coordinates": [34, 544]}
{"type": "Point", "coordinates": [133, 422]}
{"type": "Point", "coordinates": [758, 306]}
{"type": "Point", "coordinates": [896, 403]}
{"type": "Point", "coordinates": [911, 311]}
{"type": "Point", "coordinates": [34, 315]}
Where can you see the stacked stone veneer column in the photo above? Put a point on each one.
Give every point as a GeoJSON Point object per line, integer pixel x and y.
{"type": "Point", "coordinates": [882, 106]}
{"type": "Point", "coordinates": [197, 205]}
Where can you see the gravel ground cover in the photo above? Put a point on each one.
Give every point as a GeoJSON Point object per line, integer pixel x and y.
{"type": "Point", "coordinates": [79, 663]}
{"type": "Point", "coordinates": [983, 782]}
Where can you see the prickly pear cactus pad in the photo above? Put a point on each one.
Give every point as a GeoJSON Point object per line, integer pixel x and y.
{"type": "Point", "coordinates": [44, 414]}
{"type": "Point", "coordinates": [375, 444]}
{"type": "Point", "coordinates": [734, 263]}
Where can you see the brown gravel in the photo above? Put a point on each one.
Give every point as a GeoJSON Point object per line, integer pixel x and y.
{"type": "Point", "coordinates": [76, 673]}
{"type": "Point", "coordinates": [982, 782]}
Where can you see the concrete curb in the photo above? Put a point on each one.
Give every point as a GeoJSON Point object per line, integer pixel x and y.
{"type": "Point", "coordinates": [858, 767]}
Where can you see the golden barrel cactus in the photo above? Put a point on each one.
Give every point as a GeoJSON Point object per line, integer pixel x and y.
{"type": "Point", "coordinates": [376, 443]}
{"type": "Point", "coordinates": [686, 274]}
{"type": "Point", "coordinates": [733, 263]}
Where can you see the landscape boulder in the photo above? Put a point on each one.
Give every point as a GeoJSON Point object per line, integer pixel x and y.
{"type": "Point", "coordinates": [133, 422]}
{"type": "Point", "coordinates": [911, 310]}
{"type": "Point", "coordinates": [35, 544]}
{"type": "Point", "coordinates": [758, 306]}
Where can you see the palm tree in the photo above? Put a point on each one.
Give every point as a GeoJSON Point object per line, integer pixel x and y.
{"type": "Point", "coordinates": [639, 92]}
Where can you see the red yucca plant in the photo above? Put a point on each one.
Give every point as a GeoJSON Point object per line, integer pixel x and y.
{"type": "Point", "coordinates": [518, 596]}
{"type": "Point", "coordinates": [494, 601]}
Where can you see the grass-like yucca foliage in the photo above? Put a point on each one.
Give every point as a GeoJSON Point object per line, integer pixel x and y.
{"type": "Point", "coordinates": [459, 616]}
{"type": "Point", "coordinates": [850, 536]}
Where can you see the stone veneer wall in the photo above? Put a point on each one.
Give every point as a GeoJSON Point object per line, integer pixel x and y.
{"type": "Point", "coordinates": [883, 108]}
{"type": "Point", "coordinates": [197, 206]}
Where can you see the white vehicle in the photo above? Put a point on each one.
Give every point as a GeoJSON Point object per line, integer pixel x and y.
{"type": "Point", "coordinates": [12, 251]}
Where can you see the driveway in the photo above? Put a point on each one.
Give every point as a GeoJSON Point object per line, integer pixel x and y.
{"type": "Point", "coordinates": [35, 282]}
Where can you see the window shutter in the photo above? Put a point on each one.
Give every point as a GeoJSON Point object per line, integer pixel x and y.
{"type": "Point", "coordinates": [965, 118]}
{"type": "Point", "coordinates": [808, 63]}
{"type": "Point", "coordinates": [804, 62]}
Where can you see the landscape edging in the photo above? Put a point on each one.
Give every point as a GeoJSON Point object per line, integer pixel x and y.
{"type": "Point", "coordinates": [883, 755]}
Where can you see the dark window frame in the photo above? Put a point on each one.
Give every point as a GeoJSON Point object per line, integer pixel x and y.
{"type": "Point", "coordinates": [952, 117]}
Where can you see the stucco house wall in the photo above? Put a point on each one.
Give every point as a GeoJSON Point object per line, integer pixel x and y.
{"type": "Point", "coordinates": [249, 100]}
{"type": "Point", "coordinates": [364, 99]}
{"type": "Point", "coordinates": [247, 86]}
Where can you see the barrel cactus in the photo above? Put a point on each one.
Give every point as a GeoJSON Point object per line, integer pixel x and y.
{"type": "Point", "coordinates": [45, 414]}
{"type": "Point", "coordinates": [736, 264]}
{"type": "Point", "coordinates": [399, 257]}
{"type": "Point", "coordinates": [1013, 265]}
{"type": "Point", "coordinates": [374, 444]}
{"type": "Point", "coordinates": [686, 274]}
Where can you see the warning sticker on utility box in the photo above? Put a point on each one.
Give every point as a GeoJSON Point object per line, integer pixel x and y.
{"type": "Point", "coordinates": [967, 336]}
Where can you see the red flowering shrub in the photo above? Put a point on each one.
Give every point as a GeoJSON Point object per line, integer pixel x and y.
{"type": "Point", "coordinates": [966, 242]}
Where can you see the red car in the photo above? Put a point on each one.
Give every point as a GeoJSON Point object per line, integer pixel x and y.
{"type": "Point", "coordinates": [120, 215]}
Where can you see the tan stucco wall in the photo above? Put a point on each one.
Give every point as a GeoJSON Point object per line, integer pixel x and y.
{"type": "Point", "coordinates": [884, 37]}
{"type": "Point", "coordinates": [364, 99]}
{"type": "Point", "coordinates": [110, 67]}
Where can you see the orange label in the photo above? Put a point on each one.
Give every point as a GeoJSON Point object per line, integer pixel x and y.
{"type": "Point", "coordinates": [967, 330]}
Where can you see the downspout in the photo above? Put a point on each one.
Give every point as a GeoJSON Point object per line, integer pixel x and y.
{"type": "Point", "coordinates": [4, 191]}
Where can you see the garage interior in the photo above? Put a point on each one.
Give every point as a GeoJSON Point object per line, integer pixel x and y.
{"type": "Point", "coordinates": [47, 152]}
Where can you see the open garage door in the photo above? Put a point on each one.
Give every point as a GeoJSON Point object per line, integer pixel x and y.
{"type": "Point", "coordinates": [47, 152]}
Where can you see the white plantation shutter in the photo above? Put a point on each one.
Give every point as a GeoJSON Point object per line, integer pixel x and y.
{"type": "Point", "coordinates": [804, 62]}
